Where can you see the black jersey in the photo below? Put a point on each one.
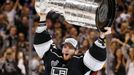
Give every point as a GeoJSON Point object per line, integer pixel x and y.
{"type": "Point", "coordinates": [55, 65]}
{"type": "Point", "coordinates": [92, 60]}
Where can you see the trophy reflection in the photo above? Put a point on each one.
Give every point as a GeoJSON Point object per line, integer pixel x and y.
{"type": "Point", "coordinates": [95, 14]}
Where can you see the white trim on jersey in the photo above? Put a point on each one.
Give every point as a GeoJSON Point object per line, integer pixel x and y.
{"type": "Point", "coordinates": [92, 63]}
{"type": "Point", "coordinates": [41, 29]}
{"type": "Point", "coordinates": [88, 73]}
{"type": "Point", "coordinates": [41, 49]}
{"type": "Point", "coordinates": [56, 54]}
{"type": "Point", "coordinates": [97, 43]}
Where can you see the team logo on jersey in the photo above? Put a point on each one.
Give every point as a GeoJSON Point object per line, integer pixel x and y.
{"type": "Point", "coordinates": [59, 71]}
{"type": "Point", "coordinates": [54, 63]}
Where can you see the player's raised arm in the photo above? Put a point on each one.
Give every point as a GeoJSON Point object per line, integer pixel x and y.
{"type": "Point", "coordinates": [95, 57]}
{"type": "Point", "coordinates": [42, 39]}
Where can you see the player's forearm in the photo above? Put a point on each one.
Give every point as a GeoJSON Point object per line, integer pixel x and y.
{"type": "Point", "coordinates": [42, 40]}
{"type": "Point", "coordinates": [98, 50]}
{"type": "Point", "coordinates": [95, 57]}
{"type": "Point", "coordinates": [41, 34]}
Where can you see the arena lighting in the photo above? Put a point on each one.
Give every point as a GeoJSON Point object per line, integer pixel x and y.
{"type": "Point", "coordinates": [95, 14]}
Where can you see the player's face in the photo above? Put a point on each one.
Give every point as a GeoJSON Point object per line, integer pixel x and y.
{"type": "Point", "coordinates": [68, 51]}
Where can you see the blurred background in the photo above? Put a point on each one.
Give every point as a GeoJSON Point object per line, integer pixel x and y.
{"type": "Point", "coordinates": [18, 20]}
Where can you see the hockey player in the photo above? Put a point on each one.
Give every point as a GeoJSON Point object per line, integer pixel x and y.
{"type": "Point", "coordinates": [64, 62]}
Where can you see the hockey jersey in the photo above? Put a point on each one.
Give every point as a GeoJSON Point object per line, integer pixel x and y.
{"type": "Point", "coordinates": [92, 60]}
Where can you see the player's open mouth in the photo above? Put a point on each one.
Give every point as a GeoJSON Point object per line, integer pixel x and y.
{"type": "Point", "coordinates": [66, 54]}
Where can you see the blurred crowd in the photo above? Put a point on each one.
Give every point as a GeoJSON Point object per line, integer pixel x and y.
{"type": "Point", "coordinates": [14, 39]}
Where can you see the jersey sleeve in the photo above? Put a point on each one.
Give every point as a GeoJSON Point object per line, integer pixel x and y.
{"type": "Point", "coordinates": [95, 57]}
{"type": "Point", "coordinates": [42, 40]}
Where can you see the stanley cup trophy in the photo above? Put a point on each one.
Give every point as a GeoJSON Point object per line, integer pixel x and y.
{"type": "Point", "coordinates": [95, 14]}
